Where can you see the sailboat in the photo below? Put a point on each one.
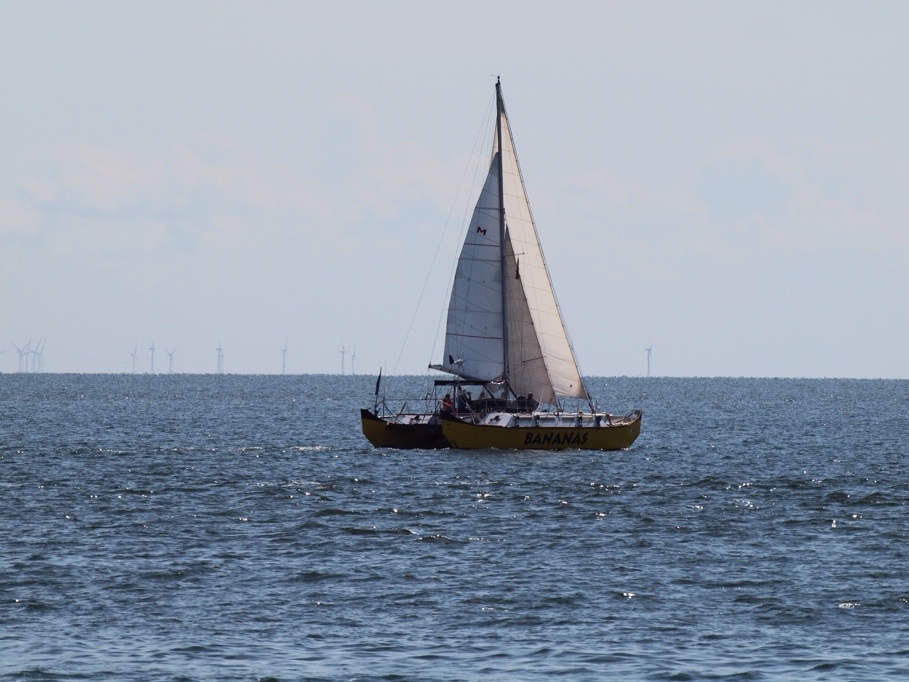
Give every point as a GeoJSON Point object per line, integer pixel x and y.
{"type": "Point", "coordinates": [505, 338]}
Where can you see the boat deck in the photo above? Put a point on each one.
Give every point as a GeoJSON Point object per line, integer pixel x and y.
{"type": "Point", "coordinates": [409, 418]}
{"type": "Point", "coordinates": [560, 419]}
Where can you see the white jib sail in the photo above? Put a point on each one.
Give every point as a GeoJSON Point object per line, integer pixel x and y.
{"type": "Point", "coordinates": [526, 366]}
{"type": "Point", "coordinates": [545, 320]}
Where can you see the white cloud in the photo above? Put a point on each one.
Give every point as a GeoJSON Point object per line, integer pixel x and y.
{"type": "Point", "coordinates": [823, 197]}
{"type": "Point", "coordinates": [15, 217]}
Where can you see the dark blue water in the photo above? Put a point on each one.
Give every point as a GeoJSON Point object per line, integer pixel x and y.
{"type": "Point", "coordinates": [240, 528]}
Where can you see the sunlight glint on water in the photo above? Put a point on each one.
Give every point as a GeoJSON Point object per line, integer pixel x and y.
{"type": "Point", "coordinates": [236, 527]}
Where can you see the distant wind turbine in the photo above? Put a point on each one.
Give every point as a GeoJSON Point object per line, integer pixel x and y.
{"type": "Point", "coordinates": [152, 349]}
{"type": "Point", "coordinates": [342, 358]}
{"type": "Point", "coordinates": [220, 358]}
{"type": "Point", "coordinates": [649, 350]}
{"type": "Point", "coordinates": [170, 360]}
{"type": "Point", "coordinates": [26, 353]}
{"type": "Point", "coordinates": [353, 362]}
{"type": "Point", "coordinates": [284, 359]}
{"type": "Point", "coordinates": [38, 357]}
{"type": "Point", "coordinates": [134, 355]}
{"type": "Point", "coordinates": [23, 366]}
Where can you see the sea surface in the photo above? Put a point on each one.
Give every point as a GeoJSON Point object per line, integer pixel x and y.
{"type": "Point", "coordinates": [194, 527]}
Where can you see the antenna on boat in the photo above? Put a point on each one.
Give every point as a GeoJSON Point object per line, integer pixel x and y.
{"type": "Point", "coordinates": [378, 381]}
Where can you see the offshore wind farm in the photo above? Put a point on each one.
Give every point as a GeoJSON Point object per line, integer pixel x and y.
{"type": "Point", "coordinates": [29, 359]}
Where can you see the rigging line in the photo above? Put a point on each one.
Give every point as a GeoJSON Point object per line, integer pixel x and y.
{"type": "Point", "coordinates": [477, 171]}
{"type": "Point", "coordinates": [473, 155]}
{"type": "Point", "coordinates": [432, 265]}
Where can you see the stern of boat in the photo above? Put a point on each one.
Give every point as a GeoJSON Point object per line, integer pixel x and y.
{"type": "Point", "coordinates": [385, 433]}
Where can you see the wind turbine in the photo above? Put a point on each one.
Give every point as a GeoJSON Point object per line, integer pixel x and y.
{"type": "Point", "coordinates": [284, 359]}
{"type": "Point", "coordinates": [20, 352]}
{"type": "Point", "coordinates": [342, 358]}
{"type": "Point", "coordinates": [649, 350]}
{"type": "Point", "coordinates": [220, 358]}
{"type": "Point", "coordinates": [353, 362]}
{"type": "Point", "coordinates": [152, 349]}
{"type": "Point", "coordinates": [170, 360]}
{"type": "Point", "coordinates": [134, 355]}
{"type": "Point", "coordinates": [38, 357]}
{"type": "Point", "coordinates": [26, 352]}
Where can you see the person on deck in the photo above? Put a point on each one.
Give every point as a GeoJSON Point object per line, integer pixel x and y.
{"type": "Point", "coordinates": [446, 403]}
{"type": "Point", "coordinates": [463, 400]}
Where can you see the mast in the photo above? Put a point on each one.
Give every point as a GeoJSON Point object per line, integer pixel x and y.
{"type": "Point", "coordinates": [500, 109]}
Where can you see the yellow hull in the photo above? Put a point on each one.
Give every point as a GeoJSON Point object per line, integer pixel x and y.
{"type": "Point", "coordinates": [385, 433]}
{"type": "Point", "coordinates": [462, 434]}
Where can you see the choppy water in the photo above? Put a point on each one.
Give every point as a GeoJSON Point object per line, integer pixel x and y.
{"type": "Point", "coordinates": [238, 528]}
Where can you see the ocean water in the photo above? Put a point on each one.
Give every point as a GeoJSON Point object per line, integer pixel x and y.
{"type": "Point", "coordinates": [241, 528]}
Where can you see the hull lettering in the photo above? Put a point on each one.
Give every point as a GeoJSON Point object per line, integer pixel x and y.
{"type": "Point", "coordinates": [568, 438]}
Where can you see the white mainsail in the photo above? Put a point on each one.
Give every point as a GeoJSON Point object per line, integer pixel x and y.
{"type": "Point", "coordinates": [539, 356]}
{"type": "Point", "coordinates": [476, 326]}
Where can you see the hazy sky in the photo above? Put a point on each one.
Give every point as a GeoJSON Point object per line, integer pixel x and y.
{"type": "Point", "coordinates": [727, 182]}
